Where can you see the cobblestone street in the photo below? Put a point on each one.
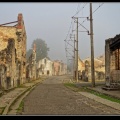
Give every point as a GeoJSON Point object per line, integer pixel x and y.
{"type": "Point", "coordinates": [53, 98]}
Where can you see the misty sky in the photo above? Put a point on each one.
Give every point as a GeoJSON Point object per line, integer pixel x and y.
{"type": "Point", "coordinates": [51, 22]}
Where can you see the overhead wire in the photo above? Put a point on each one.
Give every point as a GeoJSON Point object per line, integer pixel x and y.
{"type": "Point", "coordinates": [93, 12]}
{"type": "Point", "coordinates": [80, 10]}
{"type": "Point", "coordinates": [89, 15]}
{"type": "Point", "coordinates": [72, 25]}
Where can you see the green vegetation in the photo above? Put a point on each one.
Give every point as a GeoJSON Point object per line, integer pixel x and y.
{"type": "Point", "coordinates": [1, 110]}
{"type": "Point", "coordinates": [70, 85]}
{"type": "Point", "coordinates": [103, 95]}
{"type": "Point", "coordinates": [41, 49]}
{"type": "Point", "coordinates": [73, 87]}
{"type": "Point", "coordinates": [85, 89]}
{"type": "Point", "coordinates": [22, 86]}
{"type": "Point", "coordinates": [20, 108]}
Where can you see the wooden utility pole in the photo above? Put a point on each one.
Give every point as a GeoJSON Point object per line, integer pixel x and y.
{"type": "Point", "coordinates": [92, 48]}
{"type": "Point", "coordinates": [77, 51]}
{"type": "Point", "coordinates": [74, 57]}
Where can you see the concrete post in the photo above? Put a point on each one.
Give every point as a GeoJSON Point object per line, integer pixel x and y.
{"type": "Point", "coordinates": [107, 61]}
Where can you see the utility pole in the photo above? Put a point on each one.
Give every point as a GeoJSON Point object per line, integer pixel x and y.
{"type": "Point", "coordinates": [77, 51]}
{"type": "Point", "coordinates": [74, 57]}
{"type": "Point", "coordinates": [74, 67]}
{"type": "Point", "coordinates": [92, 48]}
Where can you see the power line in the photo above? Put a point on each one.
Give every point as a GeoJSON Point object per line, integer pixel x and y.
{"type": "Point", "coordinates": [72, 28]}
{"type": "Point", "coordinates": [83, 20]}
{"type": "Point", "coordinates": [67, 48]}
{"type": "Point", "coordinates": [93, 12]}
{"type": "Point", "coordinates": [80, 9]}
{"type": "Point", "coordinates": [78, 6]}
{"type": "Point", "coordinates": [77, 10]}
{"type": "Point", "coordinates": [72, 24]}
{"type": "Point", "coordinates": [69, 53]}
{"type": "Point", "coordinates": [83, 7]}
{"type": "Point", "coordinates": [69, 44]}
{"type": "Point", "coordinates": [98, 8]}
{"type": "Point", "coordinates": [73, 16]}
{"type": "Point", "coordinates": [67, 41]}
{"type": "Point", "coordinates": [69, 29]}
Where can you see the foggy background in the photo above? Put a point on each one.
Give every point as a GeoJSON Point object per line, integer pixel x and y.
{"type": "Point", "coordinates": [51, 22]}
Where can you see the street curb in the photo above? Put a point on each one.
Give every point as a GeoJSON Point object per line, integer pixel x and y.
{"type": "Point", "coordinates": [101, 100]}
{"type": "Point", "coordinates": [25, 96]}
{"type": "Point", "coordinates": [9, 105]}
{"type": "Point", "coordinates": [113, 96]}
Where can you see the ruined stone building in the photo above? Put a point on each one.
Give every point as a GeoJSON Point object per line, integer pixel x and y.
{"type": "Point", "coordinates": [44, 67]}
{"type": "Point", "coordinates": [99, 68]}
{"type": "Point", "coordinates": [12, 54]}
{"type": "Point", "coordinates": [63, 68]}
{"type": "Point", "coordinates": [56, 67]}
{"type": "Point", "coordinates": [81, 65]}
{"type": "Point", "coordinates": [112, 60]}
{"type": "Point", "coordinates": [59, 68]}
{"type": "Point", "coordinates": [31, 70]}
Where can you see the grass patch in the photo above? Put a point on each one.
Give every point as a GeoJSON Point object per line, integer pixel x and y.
{"type": "Point", "coordinates": [18, 98]}
{"type": "Point", "coordinates": [103, 96]}
{"type": "Point", "coordinates": [70, 85]}
{"type": "Point", "coordinates": [85, 89]}
{"type": "Point", "coordinates": [20, 108]}
{"type": "Point", "coordinates": [1, 110]}
{"type": "Point", "coordinates": [73, 87]}
{"type": "Point", "coordinates": [21, 86]}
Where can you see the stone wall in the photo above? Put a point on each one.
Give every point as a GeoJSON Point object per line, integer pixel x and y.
{"type": "Point", "coordinates": [13, 51]}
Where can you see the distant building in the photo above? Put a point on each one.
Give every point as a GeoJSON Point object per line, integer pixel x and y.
{"type": "Point", "coordinates": [81, 65]}
{"type": "Point", "coordinates": [56, 67]}
{"type": "Point", "coordinates": [59, 68]}
{"type": "Point", "coordinates": [99, 68]}
{"type": "Point", "coordinates": [31, 65]}
{"type": "Point", "coordinates": [44, 67]}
